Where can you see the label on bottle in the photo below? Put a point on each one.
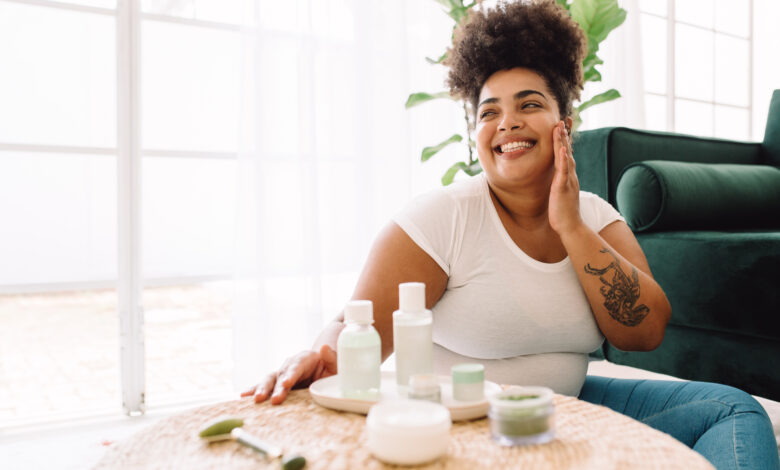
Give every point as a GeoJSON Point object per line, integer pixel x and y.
{"type": "Point", "coordinates": [359, 358]}
{"type": "Point", "coordinates": [413, 343]}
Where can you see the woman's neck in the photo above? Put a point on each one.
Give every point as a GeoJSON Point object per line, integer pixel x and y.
{"type": "Point", "coordinates": [526, 208]}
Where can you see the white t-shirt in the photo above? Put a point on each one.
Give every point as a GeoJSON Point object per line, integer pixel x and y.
{"type": "Point", "coordinates": [527, 321]}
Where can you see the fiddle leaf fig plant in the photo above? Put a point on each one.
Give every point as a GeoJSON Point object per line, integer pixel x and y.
{"type": "Point", "coordinates": [597, 18]}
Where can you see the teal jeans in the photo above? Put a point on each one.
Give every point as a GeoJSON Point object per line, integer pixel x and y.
{"type": "Point", "coordinates": [725, 425]}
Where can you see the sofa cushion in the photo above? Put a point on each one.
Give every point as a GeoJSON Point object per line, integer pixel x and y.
{"type": "Point", "coordinates": [718, 281]}
{"type": "Point", "coordinates": [666, 195]}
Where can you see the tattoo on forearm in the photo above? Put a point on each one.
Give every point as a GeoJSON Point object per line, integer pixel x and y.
{"type": "Point", "coordinates": [620, 293]}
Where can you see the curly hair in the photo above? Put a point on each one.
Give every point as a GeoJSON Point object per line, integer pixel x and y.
{"type": "Point", "coordinates": [540, 36]}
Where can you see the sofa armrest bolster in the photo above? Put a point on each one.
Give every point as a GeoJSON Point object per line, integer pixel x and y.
{"type": "Point", "coordinates": [602, 154]}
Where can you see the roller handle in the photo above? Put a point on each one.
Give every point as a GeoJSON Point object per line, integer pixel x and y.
{"type": "Point", "coordinates": [255, 443]}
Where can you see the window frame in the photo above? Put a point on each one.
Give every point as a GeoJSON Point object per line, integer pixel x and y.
{"type": "Point", "coordinates": [129, 154]}
{"type": "Point", "coordinates": [671, 95]}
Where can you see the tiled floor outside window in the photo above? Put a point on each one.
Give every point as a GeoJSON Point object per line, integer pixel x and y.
{"type": "Point", "coordinates": [59, 352]}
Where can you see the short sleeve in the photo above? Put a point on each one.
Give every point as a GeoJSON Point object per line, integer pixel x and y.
{"type": "Point", "coordinates": [596, 212]}
{"type": "Point", "coordinates": [430, 221]}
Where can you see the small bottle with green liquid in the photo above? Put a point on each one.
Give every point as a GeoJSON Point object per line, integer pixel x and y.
{"type": "Point", "coordinates": [359, 352]}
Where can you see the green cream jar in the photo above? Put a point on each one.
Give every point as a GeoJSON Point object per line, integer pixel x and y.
{"type": "Point", "coordinates": [468, 382]}
{"type": "Point", "coordinates": [521, 416]}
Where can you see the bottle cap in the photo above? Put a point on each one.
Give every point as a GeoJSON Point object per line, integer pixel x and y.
{"type": "Point", "coordinates": [468, 373]}
{"type": "Point", "coordinates": [359, 311]}
{"type": "Point", "coordinates": [411, 297]}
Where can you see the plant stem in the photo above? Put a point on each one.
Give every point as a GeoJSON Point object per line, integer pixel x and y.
{"type": "Point", "coordinates": [468, 132]}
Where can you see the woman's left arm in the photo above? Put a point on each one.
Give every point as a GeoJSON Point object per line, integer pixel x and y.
{"type": "Point", "coordinates": [630, 308]}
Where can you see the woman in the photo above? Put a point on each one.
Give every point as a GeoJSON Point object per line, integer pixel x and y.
{"type": "Point", "coordinates": [525, 273]}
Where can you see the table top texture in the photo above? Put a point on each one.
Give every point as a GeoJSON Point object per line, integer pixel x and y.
{"type": "Point", "coordinates": [587, 437]}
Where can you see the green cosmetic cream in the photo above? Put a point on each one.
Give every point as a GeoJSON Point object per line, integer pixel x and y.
{"type": "Point", "coordinates": [521, 415]}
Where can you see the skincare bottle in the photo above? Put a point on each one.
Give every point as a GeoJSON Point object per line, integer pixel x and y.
{"type": "Point", "coordinates": [412, 333]}
{"type": "Point", "coordinates": [359, 352]}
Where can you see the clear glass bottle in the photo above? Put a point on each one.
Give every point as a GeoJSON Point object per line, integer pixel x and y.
{"type": "Point", "coordinates": [359, 352]}
{"type": "Point", "coordinates": [412, 333]}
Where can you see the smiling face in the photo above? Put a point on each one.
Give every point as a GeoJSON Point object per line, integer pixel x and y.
{"type": "Point", "coordinates": [516, 115]}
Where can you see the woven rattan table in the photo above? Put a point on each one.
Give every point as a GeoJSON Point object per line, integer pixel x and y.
{"type": "Point", "coordinates": [587, 437]}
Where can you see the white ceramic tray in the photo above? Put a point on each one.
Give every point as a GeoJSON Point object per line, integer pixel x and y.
{"type": "Point", "coordinates": [325, 392]}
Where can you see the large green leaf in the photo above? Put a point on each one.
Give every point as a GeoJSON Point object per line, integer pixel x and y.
{"type": "Point", "coordinates": [419, 98]}
{"type": "Point", "coordinates": [592, 75]}
{"type": "Point", "coordinates": [428, 152]}
{"type": "Point", "coordinates": [456, 9]}
{"type": "Point", "coordinates": [591, 60]}
{"type": "Point", "coordinates": [597, 17]}
{"type": "Point", "coordinates": [450, 4]}
{"type": "Point", "coordinates": [473, 169]}
{"type": "Point", "coordinates": [460, 13]}
{"type": "Point", "coordinates": [589, 67]}
{"type": "Point", "coordinates": [449, 175]}
{"type": "Point", "coordinates": [437, 61]}
{"type": "Point", "coordinates": [608, 95]}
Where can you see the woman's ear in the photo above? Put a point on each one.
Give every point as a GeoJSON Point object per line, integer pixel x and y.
{"type": "Point", "coordinates": [569, 122]}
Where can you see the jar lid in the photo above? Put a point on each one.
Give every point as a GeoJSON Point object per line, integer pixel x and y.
{"type": "Point", "coordinates": [522, 397]}
{"type": "Point", "coordinates": [423, 383]}
{"type": "Point", "coordinates": [409, 417]}
{"type": "Point", "coordinates": [468, 373]}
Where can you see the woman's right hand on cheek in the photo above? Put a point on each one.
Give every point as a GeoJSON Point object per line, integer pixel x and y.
{"type": "Point", "coordinates": [299, 370]}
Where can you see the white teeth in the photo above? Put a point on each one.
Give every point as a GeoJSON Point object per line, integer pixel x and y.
{"type": "Point", "coordinates": [511, 146]}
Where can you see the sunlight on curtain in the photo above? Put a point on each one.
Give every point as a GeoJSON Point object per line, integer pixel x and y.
{"type": "Point", "coordinates": [327, 156]}
{"type": "Point", "coordinates": [622, 70]}
{"type": "Point", "coordinates": [328, 153]}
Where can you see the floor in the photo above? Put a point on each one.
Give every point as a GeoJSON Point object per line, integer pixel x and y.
{"type": "Point", "coordinates": [59, 368]}
{"type": "Point", "coordinates": [59, 352]}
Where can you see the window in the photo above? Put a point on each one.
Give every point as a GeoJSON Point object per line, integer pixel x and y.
{"type": "Point", "coordinates": [65, 127]}
{"type": "Point", "coordinates": [58, 198]}
{"type": "Point", "coordinates": [697, 66]}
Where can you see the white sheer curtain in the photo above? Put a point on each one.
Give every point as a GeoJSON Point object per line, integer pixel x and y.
{"type": "Point", "coordinates": [328, 153]}
{"type": "Point", "coordinates": [327, 156]}
{"type": "Point", "coordinates": [622, 70]}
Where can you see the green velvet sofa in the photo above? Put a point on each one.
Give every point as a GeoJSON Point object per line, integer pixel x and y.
{"type": "Point", "coordinates": [722, 282]}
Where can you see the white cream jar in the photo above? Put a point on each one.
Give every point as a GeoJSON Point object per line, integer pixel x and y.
{"type": "Point", "coordinates": [408, 432]}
